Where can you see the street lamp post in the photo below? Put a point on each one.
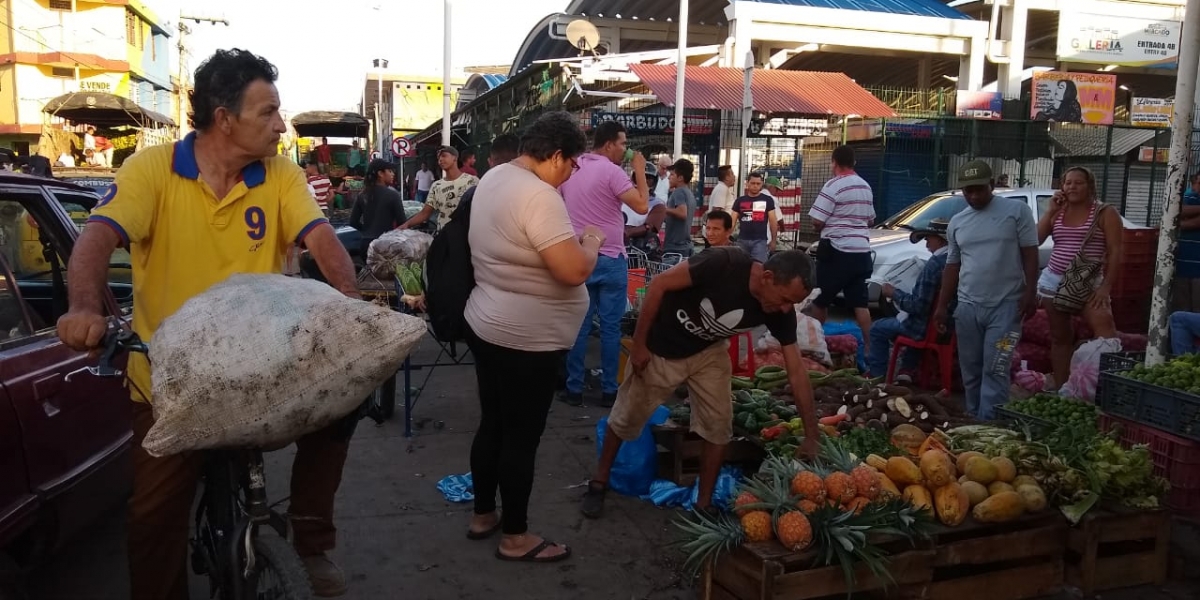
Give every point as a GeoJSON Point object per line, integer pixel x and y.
{"type": "Point", "coordinates": [381, 140]}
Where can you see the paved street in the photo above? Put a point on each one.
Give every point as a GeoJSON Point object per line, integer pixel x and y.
{"type": "Point", "coordinates": [400, 539]}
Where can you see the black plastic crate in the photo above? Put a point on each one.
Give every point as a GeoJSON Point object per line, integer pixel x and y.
{"type": "Point", "coordinates": [1120, 361]}
{"type": "Point", "coordinates": [1170, 410]}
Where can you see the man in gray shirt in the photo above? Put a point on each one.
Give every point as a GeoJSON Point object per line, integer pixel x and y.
{"type": "Point", "coordinates": [680, 206]}
{"type": "Point", "coordinates": [993, 265]}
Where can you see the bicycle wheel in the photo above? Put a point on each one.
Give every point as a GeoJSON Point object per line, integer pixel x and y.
{"type": "Point", "coordinates": [278, 572]}
{"type": "Point", "coordinates": [385, 398]}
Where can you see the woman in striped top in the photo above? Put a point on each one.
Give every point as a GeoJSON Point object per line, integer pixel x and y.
{"type": "Point", "coordinates": [1068, 220]}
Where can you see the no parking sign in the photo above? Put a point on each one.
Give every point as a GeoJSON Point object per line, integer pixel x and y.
{"type": "Point", "coordinates": [401, 146]}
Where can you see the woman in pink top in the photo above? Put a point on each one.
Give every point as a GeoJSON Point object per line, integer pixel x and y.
{"type": "Point", "coordinates": [1068, 220]}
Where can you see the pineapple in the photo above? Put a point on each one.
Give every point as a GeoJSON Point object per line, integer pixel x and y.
{"type": "Point", "coordinates": [809, 485]}
{"type": "Point", "coordinates": [857, 504]}
{"type": "Point", "coordinates": [808, 506]}
{"type": "Point", "coordinates": [794, 531]}
{"type": "Point", "coordinates": [756, 525]}
{"type": "Point", "coordinates": [866, 481]}
{"type": "Point", "coordinates": [743, 499]}
{"type": "Point", "coordinates": [840, 487]}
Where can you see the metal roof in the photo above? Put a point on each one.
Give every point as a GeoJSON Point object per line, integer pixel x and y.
{"type": "Point", "coordinates": [793, 92]}
{"type": "Point", "coordinates": [920, 8]}
{"type": "Point", "coordinates": [1084, 140]}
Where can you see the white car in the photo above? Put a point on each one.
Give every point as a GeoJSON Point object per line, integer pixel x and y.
{"type": "Point", "coordinates": [890, 239]}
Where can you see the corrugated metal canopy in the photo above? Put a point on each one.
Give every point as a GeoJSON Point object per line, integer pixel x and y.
{"type": "Point", "coordinates": [789, 92]}
{"type": "Point", "coordinates": [1082, 140]}
{"type": "Point", "coordinates": [920, 8]}
{"type": "Point", "coordinates": [712, 12]}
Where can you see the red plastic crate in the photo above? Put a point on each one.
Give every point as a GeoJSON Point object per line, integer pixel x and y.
{"type": "Point", "coordinates": [1175, 458]}
{"type": "Point", "coordinates": [1134, 280]}
{"type": "Point", "coordinates": [1131, 313]}
{"type": "Point", "coordinates": [1139, 246]}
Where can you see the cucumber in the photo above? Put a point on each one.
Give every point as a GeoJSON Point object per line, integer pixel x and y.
{"type": "Point", "coordinates": [768, 369]}
{"type": "Point", "coordinates": [770, 385]}
{"type": "Point", "coordinates": [741, 383]}
{"type": "Point", "coordinates": [776, 376]}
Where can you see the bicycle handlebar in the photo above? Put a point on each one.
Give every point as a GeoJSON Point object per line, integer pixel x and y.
{"type": "Point", "coordinates": [115, 341]}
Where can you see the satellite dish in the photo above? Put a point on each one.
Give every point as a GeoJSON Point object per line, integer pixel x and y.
{"type": "Point", "coordinates": [583, 35]}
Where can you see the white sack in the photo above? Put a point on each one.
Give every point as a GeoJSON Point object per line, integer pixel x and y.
{"type": "Point", "coordinates": [260, 360]}
{"type": "Point", "coordinates": [395, 248]}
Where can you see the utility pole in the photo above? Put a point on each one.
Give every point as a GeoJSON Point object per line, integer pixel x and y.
{"type": "Point", "coordinates": [184, 86]}
{"type": "Point", "coordinates": [1177, 166]}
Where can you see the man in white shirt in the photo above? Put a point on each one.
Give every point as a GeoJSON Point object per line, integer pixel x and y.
{"type": "Point", "coordinates": [425, 180]}
{"type": "Point", "coordinates": [723, 194]}
{"type": "Point", "coordinates": [662, 190]}
{"type": "Point", "coordinates": [842, 213]}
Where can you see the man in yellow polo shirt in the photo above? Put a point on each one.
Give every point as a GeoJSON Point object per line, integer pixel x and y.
{"type": "Point", "coordinates": [193, 213]}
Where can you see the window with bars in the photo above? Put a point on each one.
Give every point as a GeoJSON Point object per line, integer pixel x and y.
{"type": "Point", "coordinates": [60, 5]}
{"type": "Point", "coordinates": [131, 21]}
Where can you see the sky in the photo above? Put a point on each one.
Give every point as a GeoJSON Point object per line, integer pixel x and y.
{"type": "Point", "coordinates": [323, 50]}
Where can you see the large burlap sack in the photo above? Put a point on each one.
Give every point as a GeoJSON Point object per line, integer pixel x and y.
{"type": "Point", "coordinates": [260, 360]}
{"type": "Point", "coordinates": [395, 248]}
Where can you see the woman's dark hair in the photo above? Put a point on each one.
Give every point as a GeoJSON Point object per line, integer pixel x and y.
{"type": "Point", "coordinates": [555, 131]}
{"type": "Point", "coordinates": [221, 82]}
{"type": "Point", "coordinates": [608, 131]}
{"type": "Point", "coordinates": [1088, 177]}
{"type": "Point", "coordinates": [1071, 94]}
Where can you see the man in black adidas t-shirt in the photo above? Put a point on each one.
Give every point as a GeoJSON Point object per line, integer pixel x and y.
{"type": "Point", "coordinates": [687, 316]}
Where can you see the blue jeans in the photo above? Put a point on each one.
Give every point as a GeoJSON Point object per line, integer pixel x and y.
{"type": "Point", "coordinates": [987, 337]}
{"type": "Point", "coordinates": [422, 195]}
{"type": "Point", "coordinates": [607, 288]}
{"type": "Point", "coordinates": [883, 332]}
{"type": "Point", "coordinates": [1185, 328]}
{"type": "Point", "coordinates": [757, 249]}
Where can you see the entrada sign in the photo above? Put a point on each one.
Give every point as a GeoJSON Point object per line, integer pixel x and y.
{"type": "Point", "coordinates": [644, 123]}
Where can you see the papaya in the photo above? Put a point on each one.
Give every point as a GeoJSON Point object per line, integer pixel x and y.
{"type": "Point", "coordinates": [952, 504]}
{"type": "Point", "coordinates": [902, 471]}
{"type": "Point", "coordinates": [937, 468]}
{"type": "Point", "coordinates": [877, 461]}
{"type": "Point", "coordinates": [908, 438]}
{"type": "Point", "coordinates": [918, 497]}
{"type": "Point", "coordinates": [931, 443]}
{"type": "Point", "coordinates": [1006, 471]}
{"type": "Point", "coordinates": [1034, 497]}
{"type": "Point", "coordinates": [1000, 508]}
{"type": "Point", "coordinates": [961, 464]}
{"type": "Point", "coordinates": [996, 487]}
{"type": "Point", "coordinates": [975, 491]}
{"type": "Point", "coordinates": [1024, 480]}
{"type": "Point", "coordinates": [980, 470]}
{"type": "Point", "coordinates": [887, 487]}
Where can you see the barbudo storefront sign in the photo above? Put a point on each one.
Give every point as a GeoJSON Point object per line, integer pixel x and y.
{"type": "Point", "coordinates": [640, 123]}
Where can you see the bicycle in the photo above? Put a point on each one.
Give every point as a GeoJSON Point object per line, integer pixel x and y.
{"type": "Point", "coordinates": [226, 545]}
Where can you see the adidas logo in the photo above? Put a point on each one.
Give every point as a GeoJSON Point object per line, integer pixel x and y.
{"type": "Point", "coordinates": [712, 327]}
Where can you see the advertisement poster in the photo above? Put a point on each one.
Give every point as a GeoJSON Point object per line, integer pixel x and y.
{"type": "Point", "coordinates": [1073, 97]}
{"type": "Point", "coordinates": [1151, 112]}
{"type": "Point", "coordinates": [978, 105]}
{"type": "Point", "coordinates": [1108, 40]}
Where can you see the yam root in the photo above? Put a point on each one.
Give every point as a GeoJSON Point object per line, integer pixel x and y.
{"type": "Point", "coordinates": [857, 411]}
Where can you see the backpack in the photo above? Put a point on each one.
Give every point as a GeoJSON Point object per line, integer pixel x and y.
{"type": "Point", "coordinates": [449, 275]}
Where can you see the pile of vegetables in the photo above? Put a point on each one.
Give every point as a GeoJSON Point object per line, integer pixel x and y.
{"type": "Point", "coordinates": [1057, 409]}
{"type": "Point", "coordinates": [844, 344]}
{"type": "Point", "coordinates": [769, 377]}
{"type": "Point", "coordinates": [1076, 466]}
{"type": "Point", "coordinates": [1181, 373]}
{"type": "Point", "coordinates": [755, 410]}
{"type": "Point", "coordinates": [882, 407]}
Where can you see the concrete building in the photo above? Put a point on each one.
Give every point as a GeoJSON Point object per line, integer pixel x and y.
{"type": "Point", "coordinates": [56, 47]}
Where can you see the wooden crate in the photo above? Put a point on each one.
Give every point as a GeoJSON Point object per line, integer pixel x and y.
{"type": "Point", "coordinates": [679, 453]}
{"type": "Point", "coordinates": [766, 571]}
{"type": "Point", "coordinates": [1114, 547]}
{"type": "Point", "coordinates": [997, 561]}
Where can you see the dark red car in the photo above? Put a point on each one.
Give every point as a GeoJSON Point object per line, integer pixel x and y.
{"type": "Point", "coordinates": [64, 457]}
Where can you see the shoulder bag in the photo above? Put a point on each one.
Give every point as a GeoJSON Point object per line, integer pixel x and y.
{"type": "Point", "coordinates": [1079, 281]}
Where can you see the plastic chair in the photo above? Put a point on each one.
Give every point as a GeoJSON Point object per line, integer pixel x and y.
{"type": "Point", "coordinates": [943, 352]}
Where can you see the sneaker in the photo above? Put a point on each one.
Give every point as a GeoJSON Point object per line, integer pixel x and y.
{"type": "Point", "coordinates": [593, 500]}
{"type": "Point", "coordinates": [608, 399]}
{"type": "Point", "coordinates": [571, 398]}
{"type": "Point", "coordinates": [326, 578]}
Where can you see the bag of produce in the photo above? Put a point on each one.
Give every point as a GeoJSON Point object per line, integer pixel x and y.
{"type": "Point", "coordinates": [396, 248]}
{"type": "Point", "coordinates": [1085, 368]}
{"type": "Point", "coordinates": [636, 465]}
{"type": "Point", "coordinates": [260, 360]}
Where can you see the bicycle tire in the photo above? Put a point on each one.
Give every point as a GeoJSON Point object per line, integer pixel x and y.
{"type": "Point", "coordinates": [273, 553]}
{"type": "Point", "coordinates": [385, 398]}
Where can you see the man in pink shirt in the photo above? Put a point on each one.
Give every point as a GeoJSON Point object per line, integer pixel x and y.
{"type": "Point", "coordinates": [594, 195]}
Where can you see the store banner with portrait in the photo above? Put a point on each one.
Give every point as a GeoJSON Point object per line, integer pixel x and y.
{"type": "Point", "coordinates": [1073, 97]}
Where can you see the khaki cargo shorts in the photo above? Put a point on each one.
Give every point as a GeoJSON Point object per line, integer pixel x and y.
{"type": "Point", "coordinates": [707, 376]}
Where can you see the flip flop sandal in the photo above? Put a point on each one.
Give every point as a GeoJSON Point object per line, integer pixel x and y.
{"type": "Point", "coordinates": [483, 535]}
{"type": "Point", "coordinates": [532, 555]}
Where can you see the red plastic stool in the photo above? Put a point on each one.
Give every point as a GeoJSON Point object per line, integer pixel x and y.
{"type": "Point", "coordinates": [943, 352]}
{"type": "Point", "coordinates": [736, 344]}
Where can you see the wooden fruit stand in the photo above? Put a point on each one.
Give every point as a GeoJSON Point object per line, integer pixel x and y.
{"type": "Point", "coordinates": [1114, 548]}
{"type": "Point", "coordinates": [679, 453]}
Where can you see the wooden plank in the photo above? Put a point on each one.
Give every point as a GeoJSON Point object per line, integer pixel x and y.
{"type": "Point", "coordinates": [1018, 583]}
{"type": "Point", "coordinates": [1162, 550]}
{"type": "Point", "coordinates": [1132, 527]}
{"type": "Point", "coordinates": [732, 573]}
{"type": "Point", "coordinates": [1049, 540]}
{"type": "Point", "coordinates": [716, 592]}
{"type": "Point", "coordinates": [1124, 571]}
{"type": "Point", "coordinates": [907, 568]}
